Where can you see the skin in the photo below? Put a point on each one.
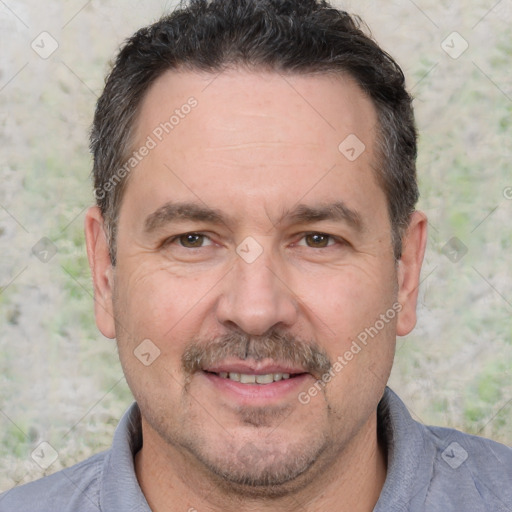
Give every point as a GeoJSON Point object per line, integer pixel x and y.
{"type": "Point", "coordinates": [256, 145]}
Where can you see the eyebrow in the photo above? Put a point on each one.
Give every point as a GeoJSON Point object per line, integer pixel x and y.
{"type": "Point", "coordinates": [300, 214]}
{"type": "Point", "coordinates": [337, 212]}
{"type": "Point", "coordinates": [187, 211]}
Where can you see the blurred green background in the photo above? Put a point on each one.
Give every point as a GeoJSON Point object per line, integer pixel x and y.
{"type": "Point", "coordinates": [60, 380]}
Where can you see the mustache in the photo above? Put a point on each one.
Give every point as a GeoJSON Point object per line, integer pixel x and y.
{"type": "Point", "coordinates": [282, 348]}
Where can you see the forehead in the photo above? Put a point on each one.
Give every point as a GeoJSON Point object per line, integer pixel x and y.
{"type": "Point", "coordinates": [333, 104]}
{"type": "Point", "coordinates": [272, 137]}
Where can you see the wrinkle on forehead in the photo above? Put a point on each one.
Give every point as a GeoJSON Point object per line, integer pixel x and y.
{"type": "Point", "coordinates": [252, 107]}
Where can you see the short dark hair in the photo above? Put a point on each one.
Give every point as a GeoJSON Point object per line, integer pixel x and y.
{"type": "Point", "coordinates": [285, 36]}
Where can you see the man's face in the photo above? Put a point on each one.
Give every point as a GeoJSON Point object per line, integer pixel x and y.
{"type": "Point", "coordinates": [250, 245]}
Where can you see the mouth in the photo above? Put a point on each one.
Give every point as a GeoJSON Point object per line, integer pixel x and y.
{"type": "Point", "coordinates": [252, 378]}
{"type": "Point", "coordinates": [256, 383]}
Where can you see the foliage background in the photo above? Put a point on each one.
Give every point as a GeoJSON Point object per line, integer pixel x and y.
{"type": "Point", "coordinates": [60, 381]}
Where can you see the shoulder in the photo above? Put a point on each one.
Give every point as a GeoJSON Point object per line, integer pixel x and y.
{"type": "Point", "coordinates": [435, 468]}
{"type": "Point", "coordinates": [76, 489]}
{"type": "Point", "coordinates": [472, 466]}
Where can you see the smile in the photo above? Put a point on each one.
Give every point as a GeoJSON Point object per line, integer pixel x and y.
{"type": "Point", "coordinates": [247, 378]}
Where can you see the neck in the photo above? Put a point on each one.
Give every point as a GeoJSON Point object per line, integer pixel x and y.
{"type": "Point", "coordinates": [349, 480]}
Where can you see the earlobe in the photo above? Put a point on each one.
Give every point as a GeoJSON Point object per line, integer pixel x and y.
{"type": "Point", "coordinates": [98, 255]}
{"type": "Point", "coordinates": [409, 269]}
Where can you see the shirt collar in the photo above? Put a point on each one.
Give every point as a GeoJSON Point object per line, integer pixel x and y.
{"type": "Point", "coordinates": [410, 458]}
{"type": "Point", "coordinates": [120, 488]}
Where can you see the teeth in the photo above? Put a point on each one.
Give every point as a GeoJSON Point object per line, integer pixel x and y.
{"type": "Point", "coordinates": [265, 379]}
{"type": "Point", "coordinates": [246, 378]}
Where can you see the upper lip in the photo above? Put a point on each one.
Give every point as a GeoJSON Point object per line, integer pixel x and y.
{"type": "Point", "coordinates": [254, 367]}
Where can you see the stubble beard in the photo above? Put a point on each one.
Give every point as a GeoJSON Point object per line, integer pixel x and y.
{"type": "Point", "coordinates": [256, 468]}
{"type": "Point", "coordinates": [259, 464]}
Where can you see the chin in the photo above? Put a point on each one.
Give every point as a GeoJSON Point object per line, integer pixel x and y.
{"type": "Point", "coordinates": [262, 470]}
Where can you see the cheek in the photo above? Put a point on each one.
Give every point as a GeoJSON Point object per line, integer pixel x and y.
{"type": "Point", "coordinates": [348, 300]}
{"type": "Point", "coordinates": [153, 303]}
{"type": "Point", "coordinates": [347, 322]}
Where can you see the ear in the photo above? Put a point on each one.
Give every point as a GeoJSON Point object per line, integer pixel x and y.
{"type": "Point", "coordinates": [101, 269]}
{"type": "Point", "coordinates": [409, 268]}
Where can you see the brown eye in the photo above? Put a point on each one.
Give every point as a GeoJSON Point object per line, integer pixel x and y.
{"type": "Point", "coordinates": [317, 240]}
{"type": "Point", "coordinates": [192, 240]}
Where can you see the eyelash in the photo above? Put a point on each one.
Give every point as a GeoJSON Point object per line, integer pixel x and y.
{"type": "Point", "coordinates": [173, 239]}
{"type": "Point", "coordinates": [332, 238]}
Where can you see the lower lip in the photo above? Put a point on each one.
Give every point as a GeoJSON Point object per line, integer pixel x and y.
{"type": "Point", "coordinates": [254, 394]}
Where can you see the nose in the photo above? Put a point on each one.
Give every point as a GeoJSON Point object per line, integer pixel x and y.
{"type": "Point", "coordinates": [256, 297]}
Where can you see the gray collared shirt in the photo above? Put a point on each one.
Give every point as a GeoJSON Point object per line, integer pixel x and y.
{"type": "Point", "coordinates": [429, 469]}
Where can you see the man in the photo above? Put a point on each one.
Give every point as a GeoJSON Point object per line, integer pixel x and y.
{"type": "Point", "coordinates": [255, 251]}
